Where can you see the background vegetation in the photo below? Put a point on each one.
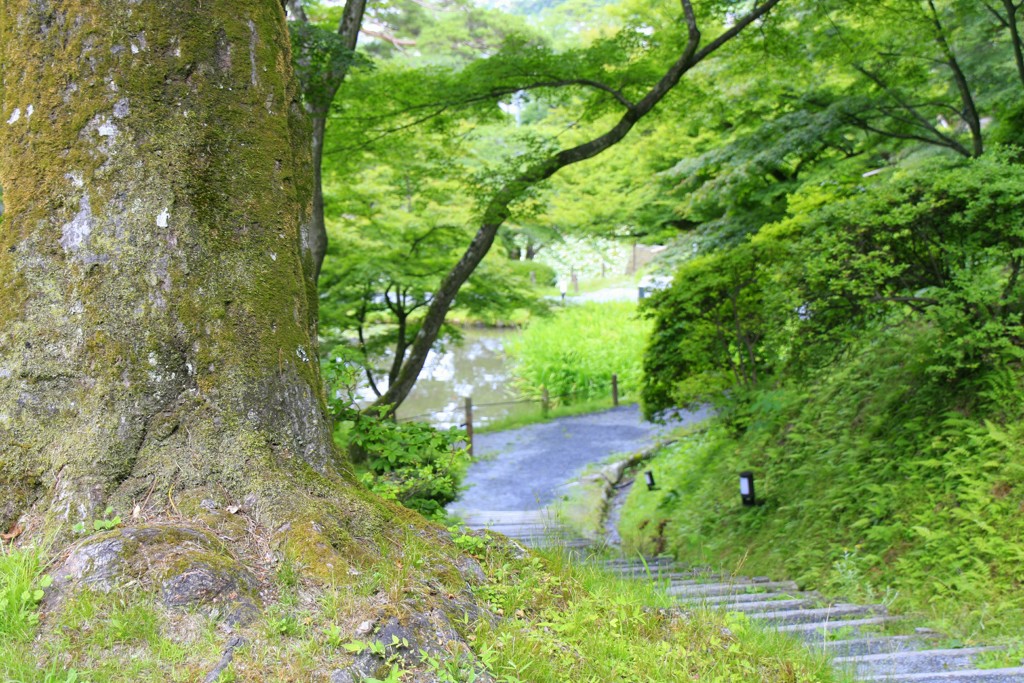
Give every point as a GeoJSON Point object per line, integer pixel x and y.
{"type": "Point", "coordinates": [848, 295]}
{"type": "Point", "coordinates": [574, 352]}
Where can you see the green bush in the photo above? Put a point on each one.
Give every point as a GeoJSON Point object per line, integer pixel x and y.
{"type": "Point", "coordinates": [880, 480]}
{"type": "Point", "coordinates": [866, 357]}
{"type": "Point", "coordinates": [413, 463]}
{"type": "Point", "coordinates": [575, 352]}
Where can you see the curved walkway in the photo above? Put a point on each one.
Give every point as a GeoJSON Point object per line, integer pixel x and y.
{"type": "Point", "coordinates": [519, 471]}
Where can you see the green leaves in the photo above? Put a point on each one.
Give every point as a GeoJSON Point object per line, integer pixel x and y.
{"type": "Point", "coordinates": [321, 60]}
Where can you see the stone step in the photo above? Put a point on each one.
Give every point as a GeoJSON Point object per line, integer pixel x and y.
{"type": "Point", "coordinates": [871, 645]}
{"type": "Point", "coordinates": [822, 629]}
{"type": "Point", "coordinates": [713, 601]}
{"type": "Point", "coordinates": [638, 562]}
{"type": "Point", "coordinates": [1010, 675]}
{"type": "Point", "coordinates": [708, 579]}
{"type": "Point", "coordinates": [821, 614]}
{"type": "Point", "coordinates": [659, 571]}
{"type": "Point", "coordinates": [764, 606]}
{"type": "Point", "coordinates": [920, 661]}
{"type": "Point", "coordinates": [689, 590]}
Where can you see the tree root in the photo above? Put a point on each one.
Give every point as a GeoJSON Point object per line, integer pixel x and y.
{"type": "Point", "coordinates": [225, 660]}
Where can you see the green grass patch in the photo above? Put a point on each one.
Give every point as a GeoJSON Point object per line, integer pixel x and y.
{"type": "Point", "coordinates": [573, 621]}
{"type": "Point", "coordinates": [556, 411]}
{"type": "Point", "coordinates": [575, 352]}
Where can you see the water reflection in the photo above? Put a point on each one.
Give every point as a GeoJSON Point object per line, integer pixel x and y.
{"type": "Point", "coordinates": [477, 367]}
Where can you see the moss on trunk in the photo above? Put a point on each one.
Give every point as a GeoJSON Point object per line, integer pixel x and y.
{"type": "Point", "coordinates": [157, 334]}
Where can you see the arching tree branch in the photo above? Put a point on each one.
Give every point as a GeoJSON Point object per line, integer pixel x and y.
{"type": "Point", "coordinates": [498, 209]}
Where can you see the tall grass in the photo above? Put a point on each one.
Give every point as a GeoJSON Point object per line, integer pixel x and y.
{"type": "Point", "coordinates": [21, 586]}
{"type": "Point", "coordinates": [575, 352]}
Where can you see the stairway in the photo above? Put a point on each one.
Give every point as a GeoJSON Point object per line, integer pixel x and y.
{"type": "Point", "coordinates": [532, 528]}
{"type": "Point", "coordinates": [852, 634]}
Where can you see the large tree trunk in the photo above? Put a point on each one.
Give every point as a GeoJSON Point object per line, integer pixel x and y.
{"type": "Point", "coordinates": [157, 339]}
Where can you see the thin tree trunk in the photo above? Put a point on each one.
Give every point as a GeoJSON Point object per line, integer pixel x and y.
{"type": "Point", "coordinates": [319, 106]}
{"type": "Point", "coordinates": [317, 233]}
{"type": "Point", "coordinates": [497, 210]}
{"type": "Point", "coordinates": [1015, 38]}
{"type": "Point", "coordinates": [970, 109]}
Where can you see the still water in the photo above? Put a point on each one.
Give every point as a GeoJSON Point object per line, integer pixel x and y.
{"type": "Point", "coordinates": [477, 367]}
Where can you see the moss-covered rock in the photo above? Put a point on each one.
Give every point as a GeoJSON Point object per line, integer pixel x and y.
{"type": "Point", "coordinates": [185, 567]}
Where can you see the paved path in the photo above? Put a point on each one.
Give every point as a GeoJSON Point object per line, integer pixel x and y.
{"type": "Point", "coordinates": [521, 469]}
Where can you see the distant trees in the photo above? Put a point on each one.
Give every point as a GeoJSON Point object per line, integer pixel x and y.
{"type": "Point", "coordinates": [620, 79]}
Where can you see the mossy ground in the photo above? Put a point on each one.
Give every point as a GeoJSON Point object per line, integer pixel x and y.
{"type": "Point", "coordinates": [518, 617]}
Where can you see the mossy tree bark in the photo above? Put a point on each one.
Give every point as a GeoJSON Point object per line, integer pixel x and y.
{"type": "Point", "coordinates": [157, 335]}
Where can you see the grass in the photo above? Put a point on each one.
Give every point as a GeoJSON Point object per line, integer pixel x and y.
{"type": "Point", "coordinates": [576, 351]}
{"type": "Point", "coordinates": [556, 411]}
{"type": "Point", "coordinates": [573, 621]}
{"type": "Point", "coordinates": [557, 620]}
{"type": "Point", "coordinates": [880, 484]}
{"type": "Point", "coordinates": [593, 285]}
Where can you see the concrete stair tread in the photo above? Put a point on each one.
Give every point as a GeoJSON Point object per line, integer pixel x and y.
{"type": "Point", "coordinates": [1009, 675]}
{"type": "Point", "coordinates": [713, 601]}
{"type": "Point", "coordinates": [532, 528]}
{"type": "Point", "coordinates": [917, 653]}
{"type": "Point", "coordinates": [878, 644]}
{"type": "Point", "coordinates": [862, 650]}
{"type": "Point", "coordinates": [637, 562]}
{"type": "Point", "coordinates": [912, 662]}
{"type": "Point", "coordinates": [802, 616]}
{"type": "Point", "coordinates": [700, 579]}
{"type": "Point", "coordinates": [678, 578]}
{"type": "Point", "coordinates": [764, 606]}
{"type": "Point", "coordinates": [835, 624]}
{"type": "Point", "coordinates": [697, 589]}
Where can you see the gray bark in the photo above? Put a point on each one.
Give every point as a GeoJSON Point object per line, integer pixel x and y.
{"type": "Point", "coordinates": [156, 325]}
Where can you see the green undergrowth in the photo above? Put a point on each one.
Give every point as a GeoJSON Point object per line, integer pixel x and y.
{"type": "Point", "coordinates": [552, 619]}
{"type": "Point", "coordinates": [880, 481]}
{"type": "Point", "coordinates": [574, 353]}
{"type": "Point", "coordinates": [592, 285]}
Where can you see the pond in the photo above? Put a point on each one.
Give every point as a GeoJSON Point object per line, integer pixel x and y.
{"type": "Point", "coordinates": [476, 367]}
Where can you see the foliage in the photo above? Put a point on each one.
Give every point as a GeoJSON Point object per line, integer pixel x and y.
{"type": "Point", "coordinates": [709, 330]}
{"type": "Point", "coordinates": [876, 474]}
{"type": "Point", "coordinates": [321, 57]}
{"type": "Point", "coordinates": [848, 292]}
{"type": "Point", "coordinates": [575, 352]}
{"type": "Point", "coordinates": [937, 244]}
{"type": "Point", "coordinates": [22, 585]}
{"type": "Point", "coordinates": [883, 423]}
{"type": "Point", "coordinates": [413, 463]}
{"type": "Point", "coordinates": [105, 523]}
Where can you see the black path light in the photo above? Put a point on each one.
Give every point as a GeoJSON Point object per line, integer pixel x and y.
{"type": "Point", "coordinates": [747, 488]}
{"type": "Point", "coordinates": [649, 476]}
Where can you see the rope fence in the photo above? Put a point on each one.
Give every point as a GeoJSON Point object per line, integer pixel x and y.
{"type": "Point", "coordinates": [544, 401]}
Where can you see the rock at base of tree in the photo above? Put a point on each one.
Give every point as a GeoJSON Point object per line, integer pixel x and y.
{"type": "Point", "coordinates": [185, 567]}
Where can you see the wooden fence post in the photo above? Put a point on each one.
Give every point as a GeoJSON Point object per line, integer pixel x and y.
{"type": "Point", "coordinates": [469, 424]}
{"type": "Point", "coordinates": [545, 402]}
{"type": "Point", "coordinates": [615, 389]}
